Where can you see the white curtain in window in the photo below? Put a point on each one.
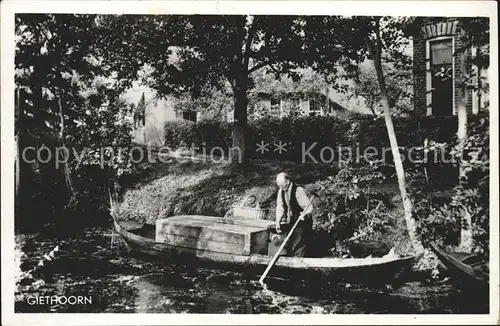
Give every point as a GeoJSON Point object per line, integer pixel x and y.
{"type": "Point", "coordinates": [304, 105]}
{"type": "Point", "coordinates": [441, 52]}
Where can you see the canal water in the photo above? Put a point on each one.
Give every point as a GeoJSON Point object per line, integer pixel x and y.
{"type": "Point", "coordinates": [94, 264]}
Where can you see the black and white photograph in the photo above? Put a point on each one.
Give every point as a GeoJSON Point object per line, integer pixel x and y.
{"type": "Point", "coordinates": [169, 162]}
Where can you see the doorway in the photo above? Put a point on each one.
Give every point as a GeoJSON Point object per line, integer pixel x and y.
{"type": "Point", "coordinates": [441, 69]}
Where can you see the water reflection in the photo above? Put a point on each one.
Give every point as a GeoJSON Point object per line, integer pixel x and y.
{"type": "Point", "coordinates": [118, 282]}
{"type": "Point", "coordinates": [160, 293]}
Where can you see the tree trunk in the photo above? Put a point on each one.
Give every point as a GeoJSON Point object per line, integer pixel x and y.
{"type": "Point", "coordinates": [20, 164]}
{"type": "Point", "coordinates": [67, 173]}
{"type": "Point", "coordinates": [326, 111]}
{"type": "Point", "coordinates": [479, 90]}
{"type": "Point", "coordinates": [239, 82]}
{"type": "Point", "coordinates": [407, 205]}
{"type": "Point", "coordinates": [238, 150]}
{"type": "Point", "coordinates": [466, 232]}
{"type": "Point", "coordinates": [462, 102]}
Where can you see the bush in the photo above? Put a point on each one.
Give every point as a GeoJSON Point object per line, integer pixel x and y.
{"type": "Point", "coordinates": [212, 133]}
{"type": "Point", "coordinates": [51, 190]}
{"type": "Point", "coordinates": [179, 132]}
{"type": "Point", "coordinates": [347, 210]}
{"type": "Point", "coordinates": [443, 221]}
{"type": "Point", "coordinates": [354, 132]}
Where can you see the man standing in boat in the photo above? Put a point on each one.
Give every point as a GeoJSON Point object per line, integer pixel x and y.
{"type": "Point", "coordinates": [291, 202]}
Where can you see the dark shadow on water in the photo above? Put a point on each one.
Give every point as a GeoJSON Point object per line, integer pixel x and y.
{"type": "Point", "coordinates": [407, 298]}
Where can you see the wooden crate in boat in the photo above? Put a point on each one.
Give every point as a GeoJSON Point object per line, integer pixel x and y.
{"type": "Point", "coordinates": [236, 235]}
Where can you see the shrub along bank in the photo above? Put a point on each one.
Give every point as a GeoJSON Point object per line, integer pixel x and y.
{"type": "Point", "coordinates": [332, 131]}
{"type": "Point", "coordinates": [320, 139]}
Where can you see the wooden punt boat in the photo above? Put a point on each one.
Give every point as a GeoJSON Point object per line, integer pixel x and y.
{"type": "Point", "coordinates": [467, 271]}
{"type": "Point", "coordinates": [140, 238]}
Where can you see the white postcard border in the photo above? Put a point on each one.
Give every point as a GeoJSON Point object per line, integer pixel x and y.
{"type": "Point", "coordinates": [386, 8]}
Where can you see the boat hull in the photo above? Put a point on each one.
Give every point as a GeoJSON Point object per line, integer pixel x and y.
{"type": "Point", "coordinates": [463, 275]}
{"type": "Point", "coordinates": [366, 270]}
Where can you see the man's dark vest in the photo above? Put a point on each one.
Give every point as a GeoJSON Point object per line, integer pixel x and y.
{"type": "Point", "coordinates": [296, 208]}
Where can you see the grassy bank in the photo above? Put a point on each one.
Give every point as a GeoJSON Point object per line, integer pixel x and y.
{"type": "Point", "coordinates": [207, 188]}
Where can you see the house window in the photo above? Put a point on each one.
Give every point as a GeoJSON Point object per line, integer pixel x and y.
{"type": "Point", "coordinates": [283, 106]}
{"type": "Point", "coordinates": [275, 105]}
{"type": "Point", "coordinates": [189, 115]}
{"type": "Point", "coordinates": [440, 77]}
{"type": "Point", "coordinates": [304, 106]}
{"type": "Point", "coordinates": [314, 108]}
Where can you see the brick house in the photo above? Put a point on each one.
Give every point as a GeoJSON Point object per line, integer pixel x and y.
{"type": "Point", "coordinates": [437, 67]}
